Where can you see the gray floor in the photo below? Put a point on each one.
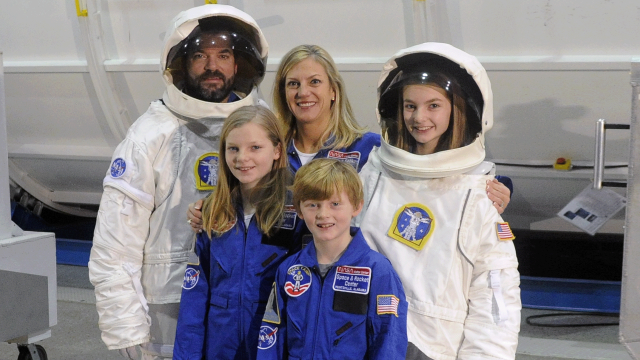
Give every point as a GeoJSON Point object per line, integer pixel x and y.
{"type": "Point", "coordinates": [76, 337]}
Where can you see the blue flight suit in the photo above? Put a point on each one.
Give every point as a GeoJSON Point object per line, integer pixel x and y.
{"type": "Point", "coordinates": [226, 288]}
{"type": "Point", "coordinates": [309, 317]}
{"type": "Point", "coordinates": [355, 154]}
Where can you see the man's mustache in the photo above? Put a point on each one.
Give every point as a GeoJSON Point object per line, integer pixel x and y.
{"type": "Point", "coordinates": [212, 74]}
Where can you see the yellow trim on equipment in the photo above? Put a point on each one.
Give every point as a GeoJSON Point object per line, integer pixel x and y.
{"type": "Point", "coordinates": [81, 12]}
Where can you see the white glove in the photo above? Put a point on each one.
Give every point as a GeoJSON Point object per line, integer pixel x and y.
{"type": "Point", "coordinates": [130, 353]}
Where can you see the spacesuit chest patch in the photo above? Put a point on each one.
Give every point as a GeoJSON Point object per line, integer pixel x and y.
{"type": "Point", "coordinates": [412, 225]}
{"type": "Point", "coordinates": [352, 279]}
{"type": "Point", "coordinates": [206, 171]}
{"type": "Point", "coordinates": [298, 280]}
{"type": "Point", "coordinates": [352, 158]}
{"type": "Point", "coordinates": [267, 337]}
{"type": "Point", "coordinates": [289, 217]}
{"type": "Point", "coordinates": [118, 167]}
{"type": "Point", "coordinates": [191, 277]}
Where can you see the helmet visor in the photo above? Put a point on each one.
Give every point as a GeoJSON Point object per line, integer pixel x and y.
{"type": "Point", "coordinates": [192, 53]}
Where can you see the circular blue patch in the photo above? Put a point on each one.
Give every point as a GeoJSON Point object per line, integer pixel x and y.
{"type": "Point", "coordinates": [267, 337]}
{"type": "Point", "coordinates": [298, 280]}
{"type": "Point", "coordinates": [191, 277]}
{"type": "Point", "coordinates": [118, 167]}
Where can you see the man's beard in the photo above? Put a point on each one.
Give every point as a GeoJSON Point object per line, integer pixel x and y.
{"type": "Point", "coordinates": [194, 88]}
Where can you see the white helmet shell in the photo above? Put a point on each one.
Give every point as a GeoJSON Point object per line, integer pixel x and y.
{"type": "Point", "coordinates": [447, 162]}
{"type": "Point", "coordinates": [184, 25]}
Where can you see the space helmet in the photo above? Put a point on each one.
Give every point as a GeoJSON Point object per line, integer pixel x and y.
{"type": "Point", "coordinates": [216, 26]}
{"type": "Point", "coordinates": [462, 76]}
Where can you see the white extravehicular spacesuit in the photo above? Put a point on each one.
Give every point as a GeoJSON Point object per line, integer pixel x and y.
{"type": "Point", "coordinates": [168, 159]}
{"type": "Point", "coordinates": [430, 216]}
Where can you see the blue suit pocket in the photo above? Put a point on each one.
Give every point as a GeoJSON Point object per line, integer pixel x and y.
{"type": "Point", "coordinates": [219, 301]}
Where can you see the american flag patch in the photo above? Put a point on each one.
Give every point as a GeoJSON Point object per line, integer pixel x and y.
{"type": "Point", "coordinates": [504, 231]}
{"type": "Point", "coordinates": [387, 304]}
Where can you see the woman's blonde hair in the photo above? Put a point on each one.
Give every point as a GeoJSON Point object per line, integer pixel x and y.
{"type": "Point", "coordinates": [456, 135]}
{"type": "Point", "coordinates": [343, 128]}
{"type": "Point", "coordinates": [321, 178]}
{"type": "Point", "coordinates": [268, 197]}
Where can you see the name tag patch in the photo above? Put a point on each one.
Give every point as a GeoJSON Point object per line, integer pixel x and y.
{"type": "Point", "coordinates": [351, 158]}
{"type": "Point", "coordinates": [352, 279]}
{"type": "Point", "coordinates": [289, 218]}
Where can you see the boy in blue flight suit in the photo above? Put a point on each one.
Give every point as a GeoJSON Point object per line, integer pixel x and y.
{"type": "Point", "coordinates": [337, 298]}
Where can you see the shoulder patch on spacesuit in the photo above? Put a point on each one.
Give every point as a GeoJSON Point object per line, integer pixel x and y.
{"type": "Point", "coordinates": [352, 279]}
{"type": "Point", "coordinates": [352, 158]}
{"type": "Point", "coordinates": [272, 311]}
{"type": "Point", "coordinates": [412, 225]}
{"type": "Point", "coordinates": [267, 337]}
{"type": "Point", "coordinates": [206, 171]}
{"type": "Point", "coordinates": [298, 280]}
{"type": "Point", "coordinates": [504, 231]}
{"type": "Point", "coordinates": [118, 167]}
{"type": "Point", "coordinates": [191, 277]}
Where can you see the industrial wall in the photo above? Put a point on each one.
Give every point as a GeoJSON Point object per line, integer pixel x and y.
{"type": "Point", "coordinates": [75, 81]}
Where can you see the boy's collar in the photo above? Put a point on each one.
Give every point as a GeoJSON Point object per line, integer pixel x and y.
{"type": "Point", "coordinates": [356, 249]}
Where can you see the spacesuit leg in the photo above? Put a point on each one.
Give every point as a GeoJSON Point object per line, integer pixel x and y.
{"type": "Point", "coordinates": [164, 319]}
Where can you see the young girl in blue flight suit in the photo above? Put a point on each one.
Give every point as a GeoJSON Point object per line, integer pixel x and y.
{"type": "Point", "coordinates": [248, 233]}
{"type": "Point", "coordinates": [337, 298]}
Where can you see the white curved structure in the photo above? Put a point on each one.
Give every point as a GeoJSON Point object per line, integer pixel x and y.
{"type": "Point", "coordinates": [74, 83]}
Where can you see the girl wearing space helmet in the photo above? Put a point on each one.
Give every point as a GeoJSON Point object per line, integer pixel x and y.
{"type": "Point", "coordinates": [432, 218]}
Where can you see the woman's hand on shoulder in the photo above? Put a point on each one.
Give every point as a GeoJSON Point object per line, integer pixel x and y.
{"type": "Point", "coordinates": [499, 194]}
{"type": "Point", "coordinates": [194, 216]}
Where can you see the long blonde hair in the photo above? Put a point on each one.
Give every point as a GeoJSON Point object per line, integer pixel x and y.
{"type": "Point", "coordinates": [268, 197]}
{"type": "Point", "coordinates": [343, 126]}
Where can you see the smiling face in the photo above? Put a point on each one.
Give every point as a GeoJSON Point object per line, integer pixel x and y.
{"type": "Point", "coordinates": [211, 69]}
{"type": "Point", "coordinates": [329, 220]}
{"type": "Point", "coordinates": [309, 93]}
{"type": "Point", "coordinates": [426, 113]}
{"type": "Point", "coordinates": [249, 154]}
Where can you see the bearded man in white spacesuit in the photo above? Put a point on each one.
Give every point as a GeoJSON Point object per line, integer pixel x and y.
{"type": "Point", "coordinates": [213, 59]}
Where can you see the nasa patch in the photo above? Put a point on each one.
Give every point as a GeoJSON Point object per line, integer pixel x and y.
{"type": "Point", "coordinates": [118, 167]}
{"type": "Point", "coordinates": [412, 225]}
{"type": "Point", "coordinates": [351, 158]}
{"type": "Point", "coordinates": [267, 337]}
{"type": "Point", "coordinates": [191, 277]}
{"type": "Point", "coordinates": [298, 280]}
{"type": "Point", "coordinates": [352, 279]}
{"type": "Point", "coordinates": [206, 171]}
